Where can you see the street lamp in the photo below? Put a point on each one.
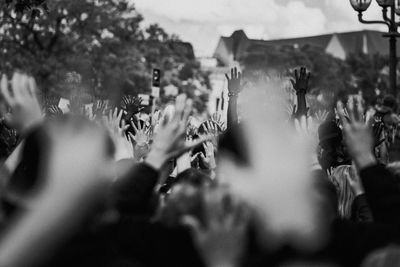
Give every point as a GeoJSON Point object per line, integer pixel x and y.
{"type": "Point", "coordinates": [389, 10]}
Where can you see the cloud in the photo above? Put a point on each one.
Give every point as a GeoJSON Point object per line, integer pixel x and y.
{"type": "Point", "coordinates": [202, 22]}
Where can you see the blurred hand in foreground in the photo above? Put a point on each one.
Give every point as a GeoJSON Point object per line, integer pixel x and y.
{"type": "Point", "coordinates": [21, 99]}
{"type": "Point", "coordinates": [221, 240]}
{"type": "Point", "coordinates": [76, 169]}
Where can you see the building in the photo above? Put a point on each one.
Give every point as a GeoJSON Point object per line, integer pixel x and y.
{"type": "Point", "coordinates": [231, 49]}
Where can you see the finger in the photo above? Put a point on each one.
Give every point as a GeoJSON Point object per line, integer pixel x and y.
{"type": "Point", "coordinates": [227, 77]}
{"type": "Point", "coordinates": [32, 87]}
{"type": "Point", "coordinates": [350, 107]}
{"type": "Point", "coordinates": [110, 115]}
{"type": "Point", "coordinates": [187, 110]}
{"type": "Point", "coordinates": [16, 86]}
{"type": "Point", "coordinates": [5, 92]}
{"type": "Point", "coordinates": [303, 123]}
{"type": "Point", "coordinates": [142, 125]}
{"type": "Point", "coordinates": [309, 123]}
{"type": "Point", "coordinates": [119, 116]}
{"type": "Point", "coordinates": [195, 156]}
{"type": "Point", "coordinates": [297, 125]}
{"type": "Point", "coordinates": [131, 136]}
{"type": "Point", "coordinates": [189, 147]}
{"type": "Point", "coordinates": [205, 146]}
{"type": "Point", "coordinates": [208, 124]}
{"type": "Point", "coordinates": [124, 127]}
{"type": "Point", "coordinates": [340, 112]}
{"type": "Point", "coordinates": [293, 83]}
{"type": "Point", "coordinates": [360, 110]}
{"type": "Point", "coordinates": [296, 74]}
{"type": "Point", "coordinates": [134, 127]}
{"type": "Point", "coordinates": [202, 156]}
{"type": "Point", "coordinates": [232, 73]}
{"type": "Point", "coordinates": [302, 72]}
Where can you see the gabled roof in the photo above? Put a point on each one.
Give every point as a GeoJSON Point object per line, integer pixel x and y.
{"type": "Point", "coordinates": [352, 42]}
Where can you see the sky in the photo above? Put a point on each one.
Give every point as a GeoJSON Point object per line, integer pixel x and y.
{"type": "Point", "coordinates": [202, 22]}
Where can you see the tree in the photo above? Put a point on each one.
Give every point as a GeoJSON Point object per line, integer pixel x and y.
{"type": "Point", "coordinates": [101, 39]}
{"type": "Point", "coordinates": [328, 72]}
{"type": "Point", "coordinates": [331, 76]}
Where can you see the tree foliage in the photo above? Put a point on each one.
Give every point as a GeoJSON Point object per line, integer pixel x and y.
{"type": "Point", "coordinates": [103, 40]}
{"type": "Point", "coordinates": [330, 75]}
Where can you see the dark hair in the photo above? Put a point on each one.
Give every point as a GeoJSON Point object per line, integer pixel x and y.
{"type": "Point", "coordinates": [194, 177]}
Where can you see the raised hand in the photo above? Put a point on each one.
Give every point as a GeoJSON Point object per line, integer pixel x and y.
{"type": "Point", "coordinates": [234, 82]}
{"type": "Point", "coordinates": [21, 99]}
{"type": "Point", "coordinates": [320, 116]}
{"type": "Point", "coordinates": [131, 105]}
{"type": "Point", "coordinates": [141, 139]}
{"type": "Point", "coordinates": [99, 109]}
{"type": "Point", "coordinates": [116, 129]}
{"type": "Point", "coordinates": [170, 140]}
{"type": "Point", "coordinates": [209, 157]}
{"type": "Point", "coordinates": [142, 133]}
{"type": "Point", "coordinates": [54, 111]}
{"type": "Point", "coordinates": [217, 119]}
{"type": "Point", "coordinates": [50, 101]}
{"type": "Point", "coordinates": [300, 85]}
{"type": "Point", "coordinates": [301, 81]}
{"type": "Point", "coordinates": [212, 129]}
{"type": "Point", "coordinates": [357, 134]}
{"type": "Point", "coordinates": [77, 174]}
{"type": "Point", "coordinates": [221, 240]}
{"type": "Point", "coordinates": [155, 120]}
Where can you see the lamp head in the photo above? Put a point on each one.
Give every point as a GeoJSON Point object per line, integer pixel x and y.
{"type": "Point", "coordinates": [361, 5]}
{"type": "Point", "coordinates": [397, 7]}
{"type": "Point", "coordinates": [385, 3]}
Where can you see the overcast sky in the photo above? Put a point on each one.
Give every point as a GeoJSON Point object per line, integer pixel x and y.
{"type": "Point", "coordinates": [202, 22]}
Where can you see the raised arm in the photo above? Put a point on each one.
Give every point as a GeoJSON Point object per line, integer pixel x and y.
{"type": "Point", "coordinates": [25, 113]}
{"type": "Point", "coordinates": [300, 85]}
{"type": "Point", "coordinates": [381, 190]}
{"type": "Point", "coordinates": [234, 87]}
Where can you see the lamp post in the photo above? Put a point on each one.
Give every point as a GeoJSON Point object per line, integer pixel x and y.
{"type": "Point", "coordinates": [389, 10]}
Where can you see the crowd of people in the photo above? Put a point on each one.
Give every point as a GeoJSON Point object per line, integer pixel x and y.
{"type": "Point", "coordinates": [269, 185]}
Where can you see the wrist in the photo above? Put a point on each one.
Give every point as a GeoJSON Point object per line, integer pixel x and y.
{"type": "Point", "coordinates": [364, 160]}
{"type": "Point", "coordinates": [30, 127]}
{"type": "Point", "coordinates": [142, 145]}
{"type": "Point", "coordinates": [301, 92]}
